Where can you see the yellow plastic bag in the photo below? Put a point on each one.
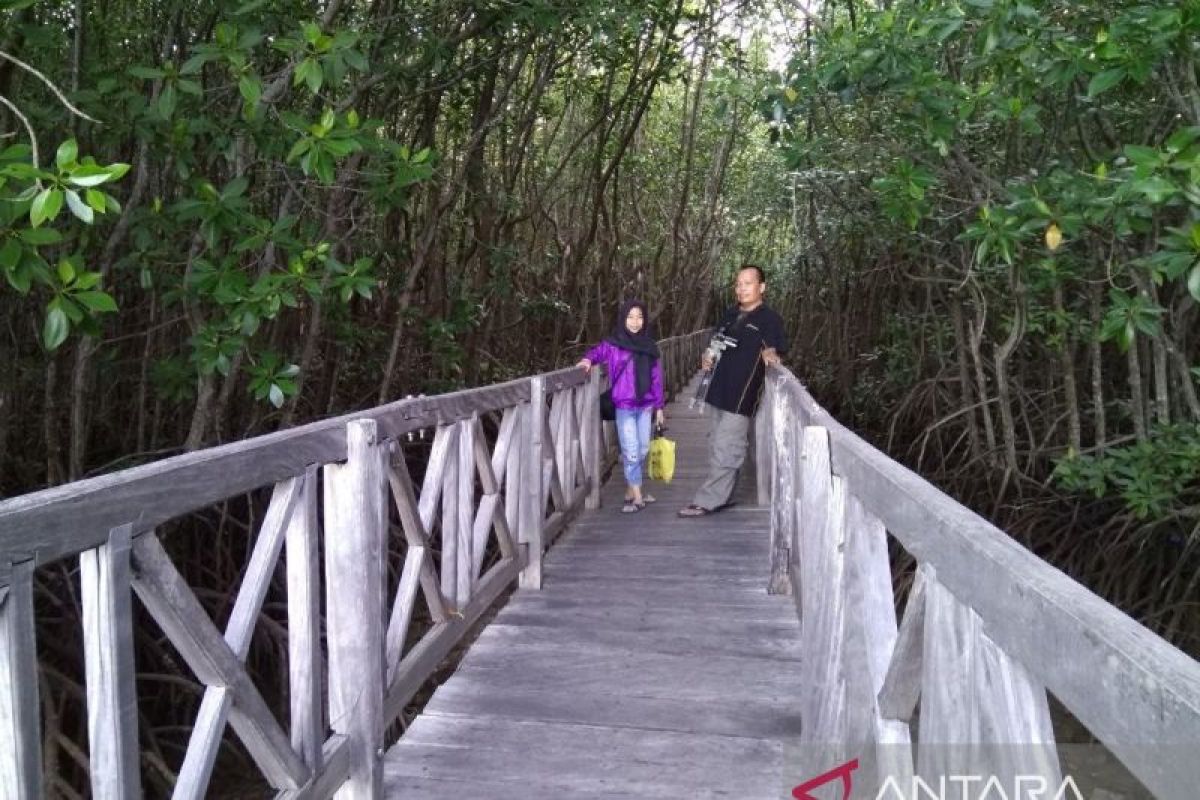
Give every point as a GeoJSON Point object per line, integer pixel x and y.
{"type": "Point", "coordinates": [661, 459]}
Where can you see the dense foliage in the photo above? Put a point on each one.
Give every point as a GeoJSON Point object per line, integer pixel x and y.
{"type": "Point", "coordinates": [264, 212]}
{"type": "Point", "coordinates": [220, 218]}
{"type": "Point", "coordinates": [1002, 251]}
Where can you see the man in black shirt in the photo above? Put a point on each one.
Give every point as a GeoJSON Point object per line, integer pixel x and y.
{"type": "Point", "coordinates": [736, 385]}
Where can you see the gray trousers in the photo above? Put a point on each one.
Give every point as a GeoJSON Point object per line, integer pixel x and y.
{"type": "Point", "coordinates": [728, 442]}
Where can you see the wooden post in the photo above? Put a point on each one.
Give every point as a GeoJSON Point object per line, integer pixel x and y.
{"type": "Point", "coordinates": [355, 511]}
{"type": "Point", "coordinates": [513, 469]}
{"type": "Point", "coordinates": [108, 654]}
{"type": "Point", "coordinates": [592, 442]}
{"type": "Point", "coordinates": [464, 505]}
{"type": "Point", "coordinates": [778, 461]}
{"type": "Point", "coordinates": [20, 728]}
{"type": "Point", "coordinates": [764, 451]}
{"type": "Point", "coordinates": [533, 491]}
{"type": "Point", "coordinates": [450, 522]}
{"type": "Point", "coordinates": [305, 665]}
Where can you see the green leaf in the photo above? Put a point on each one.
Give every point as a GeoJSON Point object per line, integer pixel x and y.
{"type": "Point", "coordinates": [1181, 138]}
{"type": "Point", "coordinates": [1143, 156]}
{"type": "Point", "coordinates": [1103, 81]}
{"type": "Point", "coordinates": [98, 302]}
{"type": "Point", "coordinates": [190, 87]}
{"type": "Point", "coordinates": [68, 151]}
{"type": "Point", "coordinates": [250, 88]}
{"type": "Point", "coordinates": [66, 271]}
{"type": "Point", "coordinates": [10, 253]}
{"type": "Point", "coordinates": [96, 200]}
{"type": "Point", "coordinates": [309, 73]}
{"type": "Point", "coordinates": [166, 102]}
{"type": "Point", "coordinates": [55, 328]}
{"type": "Point", "coordinates": [79, 208]}
{"type": "Point", "coordinates": [90, 175]}
{"type": "Point", "coordinates": [40, 236]}
{"type": "Point", "coordinates": [1155, 189]}
{"type": "Point", "coordinates": [148, 73]}
{"type": "Point", "coordinates": [299, 149]}
{"type": "Point", "coordinates": [45, 206]}
{"type": "Point", "coordinates": [86, 280]}
{"type": "Point", "coordinates": [1193, 282]}
{"type": "Point", "coordinates": [194, 64]}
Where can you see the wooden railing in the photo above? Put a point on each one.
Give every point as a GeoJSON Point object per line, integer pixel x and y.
{"type": "Point", "coordinates": [987, 630]}
{"type": "Point", "coordinates": [481, 519]}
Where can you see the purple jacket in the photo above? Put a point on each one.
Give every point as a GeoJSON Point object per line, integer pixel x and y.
{"type": "Point", "coordinates": [622, 373]}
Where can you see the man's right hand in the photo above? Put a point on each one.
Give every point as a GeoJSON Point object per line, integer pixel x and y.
{"type": "Point", "coordinates": [707, 361]}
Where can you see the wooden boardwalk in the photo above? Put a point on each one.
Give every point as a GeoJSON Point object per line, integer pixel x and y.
{"type": "Point", "coordinates": [652, 664]}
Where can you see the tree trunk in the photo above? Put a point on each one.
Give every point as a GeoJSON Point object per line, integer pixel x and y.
{"type": "Point", "coordinates": [1098, 415]}
{"type": "Point", "coordinates": [961, 350]}
{"type": "Point", "coordinates": [1137, 406]}
{"type": "Point", "coordinates": [1003, 354]}
{"type": "Point", "coordinates": [1070, 388]}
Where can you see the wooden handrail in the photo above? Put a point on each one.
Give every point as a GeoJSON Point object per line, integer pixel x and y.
{"type": "Point", "coordinates": [987, 630]}
{"type": "Point", "coordinates": [480, 520]}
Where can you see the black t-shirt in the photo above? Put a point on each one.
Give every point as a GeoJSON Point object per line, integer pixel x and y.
{"type": "Point", "coordinates": [738, 379]}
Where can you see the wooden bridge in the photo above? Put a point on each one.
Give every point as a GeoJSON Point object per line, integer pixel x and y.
{"type": "Point", "coordinates": [737, 655]}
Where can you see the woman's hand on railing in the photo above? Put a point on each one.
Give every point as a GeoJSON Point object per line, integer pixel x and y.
{"type": "Point", "coordinates": [585, 365]}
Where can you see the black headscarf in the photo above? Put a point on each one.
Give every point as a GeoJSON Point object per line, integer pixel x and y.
{"type": "Point", "coordinates": [641, 344]}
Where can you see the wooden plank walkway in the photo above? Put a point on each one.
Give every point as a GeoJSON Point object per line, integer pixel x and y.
{"type": "Point", "coordinates": [652, 664]}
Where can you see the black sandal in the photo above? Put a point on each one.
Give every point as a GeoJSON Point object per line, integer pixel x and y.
{"type": "Point", "coordinates": [693, 510]}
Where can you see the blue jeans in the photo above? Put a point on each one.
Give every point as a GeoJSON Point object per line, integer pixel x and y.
{"type": "Point", "coordinates": [633, 432]}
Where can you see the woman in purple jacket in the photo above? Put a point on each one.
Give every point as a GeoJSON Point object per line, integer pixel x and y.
{"type": "Point", "coordinates": [631, 356]}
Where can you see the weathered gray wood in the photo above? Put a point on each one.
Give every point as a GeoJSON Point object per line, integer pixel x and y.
{"type": "Point", "coordinates": [591, 438]}
{"type": "Point", "coordinates": [306, 667]}
{"type": "Point", "coordinates": [902, 683]}
{"type": "Point", "coordinates": [1125, 684]}
{"type": "Point", "coordinates": [449, 528]}
{"type": "Point", "coordinates": [416, 532]}
{"type": "Point", "coordinates": [355, 521]}
{"type": "Point", "coordinates": [822, 625]}
{"type": "Point", "coordinates": [1014, 717]}
{"type": "Point", "coordinates": [465, 509]}
{"type": "Point", "coordinates": [949, 733]}
{"type": "Point", "coordinates": [203, 744]}
{"type": "Point", "coordinates": [489, 513]}
{"type": "Point", "coordinates": [402, 611]}
{"type": "Point", "coordinates": [764, 451]}
{"type": "Point", "coordinates": [170, 601]}
{"type": "Point", "coordinates": [559, 438]}
{"type": "Point", "coordinates": [533, 502]}
{"type": "Point", "coordinates": [68, 519]}
{"type": "Point", "coordinates": [505, 438]}
{"type": "Point", "coordinates": [513, 474]}
{"type": "Point", "coordinates": [441, 455]}
{"type": "Point", "coordinates": [335, 770]}
{"type": "Point", "coordinates": [778, 461]}
{"type": "Point", "coordinates": [201, 755]}
{"type": "Point", "coordinates": [20, 728]}
{"type": "Point", "coordinates": [743, 715]}
{"type": "Point", "coordinates": [427, 654]}
{"type": "Point", "coordinates": [580, 760]}
{"type": "Point", "coordinates": [551, 479]}
{"type": "Point", "coordinates": [870, 638]}
{"type": "Point", "coordinates": [105, 595]}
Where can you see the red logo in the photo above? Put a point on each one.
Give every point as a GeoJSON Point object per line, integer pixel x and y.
{"type": "Point", "coordinates": [801, 792]}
